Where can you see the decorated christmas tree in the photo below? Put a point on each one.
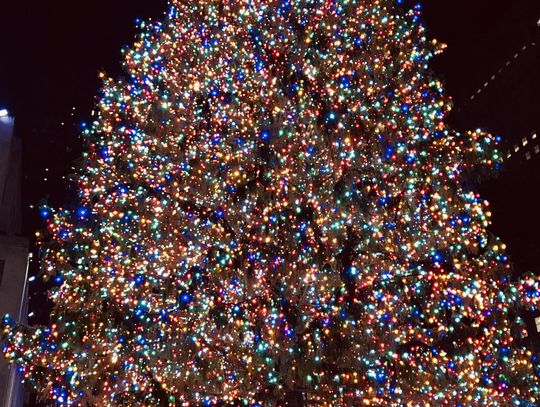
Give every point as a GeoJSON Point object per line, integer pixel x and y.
{"type": "Point", "coordinates": [274, 212]}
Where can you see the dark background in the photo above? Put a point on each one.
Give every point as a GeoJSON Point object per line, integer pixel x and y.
{"type": "Point", "coordinates": [51, 52]}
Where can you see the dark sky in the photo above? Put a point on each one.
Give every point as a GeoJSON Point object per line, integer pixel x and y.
{"type": "Point", "coordinates": [51, 52]}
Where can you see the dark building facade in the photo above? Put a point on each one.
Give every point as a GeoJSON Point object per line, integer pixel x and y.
{"type": "Point", "coordinates": [14, 253]}
{"type": "Point", "coordinates": [507, 103]}
{"type": "Point", "coordinates": [501, 94]}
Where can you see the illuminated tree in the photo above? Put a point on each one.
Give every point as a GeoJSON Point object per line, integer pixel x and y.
{"type": "Point", "coordinates": [273, 211]}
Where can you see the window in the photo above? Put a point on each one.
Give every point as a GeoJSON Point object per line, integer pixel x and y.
{"type": "Point", "coordinates": [2, 264]}
{"type": "Point", "coordinates": [537, 149]}
{"type": "Point", "coordinates": [537, 320]}
{"type": "Point", "coordinates": [528, 155]}
{"type": "Point", "coordinates": [525, 141]}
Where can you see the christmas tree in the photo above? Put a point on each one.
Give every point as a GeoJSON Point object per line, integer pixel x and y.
{"type": "Point", "coordinates": [274, 212]}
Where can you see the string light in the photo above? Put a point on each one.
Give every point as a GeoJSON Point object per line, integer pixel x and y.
{"type": "Point", "coordinates": [273, 209]}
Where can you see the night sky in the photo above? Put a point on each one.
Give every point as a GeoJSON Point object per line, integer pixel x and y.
{"type": "Point", "coordinates": [51, 53]}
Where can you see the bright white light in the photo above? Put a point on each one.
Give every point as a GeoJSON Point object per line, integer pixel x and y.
{"type": "Point", "coordinates": [3, 112]}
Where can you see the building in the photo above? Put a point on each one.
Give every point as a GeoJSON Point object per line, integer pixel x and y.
{"type": "Point", "coordinates": [528, 148]}
{"type": "Point", "coordinates": [14, 253]}
{"type": "Point", "coordinates": [506, 102]}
